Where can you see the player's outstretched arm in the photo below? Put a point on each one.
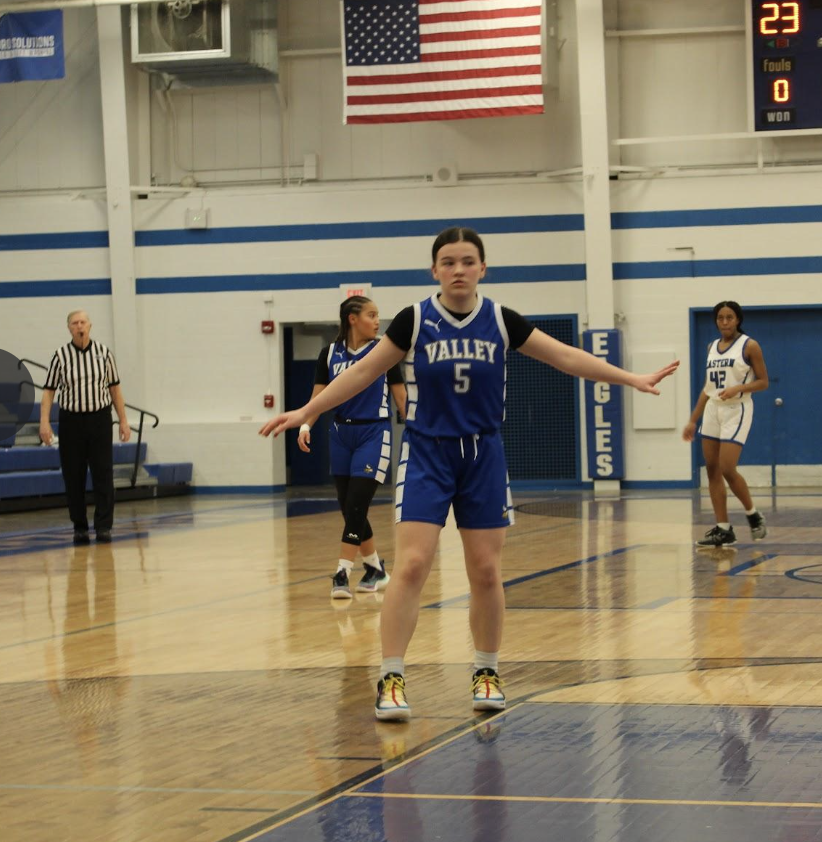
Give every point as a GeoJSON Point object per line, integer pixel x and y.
{"type": "Point", "coordinates": [580, 363]}
{"type": "Point", "coordinates": [351, 382]}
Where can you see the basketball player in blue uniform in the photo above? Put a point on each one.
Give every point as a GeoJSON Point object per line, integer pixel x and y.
{"type": "Point", "coordinates": [454, 346]}
{"type": "Point", "coordinates": [360, 441]}
{"type": "Point", "coordinates": [735, 369]}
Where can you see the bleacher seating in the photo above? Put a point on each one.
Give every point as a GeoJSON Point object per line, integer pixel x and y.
{"type": "Point", "coordinates": [30, 472]}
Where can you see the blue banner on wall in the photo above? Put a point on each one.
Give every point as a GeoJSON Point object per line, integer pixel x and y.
{"type": "Point", "coordinates": [603, 410]}
{"type": "Point", "coordinates": [31, 46]}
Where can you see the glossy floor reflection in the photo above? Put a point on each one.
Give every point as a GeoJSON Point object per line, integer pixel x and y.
{"type": "Point", "coordinates": [194, 682]}
{"type": "Point", "coordinates": [601, 772]}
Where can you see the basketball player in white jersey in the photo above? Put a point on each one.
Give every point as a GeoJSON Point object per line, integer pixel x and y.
{"type": "Point", "coordinates": [454, 346]}
{"type": "Point", "coordinates": [734, 370]}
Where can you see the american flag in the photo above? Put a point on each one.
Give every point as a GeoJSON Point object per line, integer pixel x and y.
{"type": "Point", "coordinates": [408, 60]}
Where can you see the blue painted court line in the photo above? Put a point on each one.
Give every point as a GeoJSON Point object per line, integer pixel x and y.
{"type": "Point", "coordinates": [747, 565]}
{"type": "Point", "coordinates": [658, 603]}
{"type": "Point", "coordinates": [794, 574]}
{"type": "Point", "coordinates": [538, 575]}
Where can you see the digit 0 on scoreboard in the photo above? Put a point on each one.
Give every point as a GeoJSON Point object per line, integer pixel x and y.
{"type": "Point", "coordinates": [785, 41]}
{"type": "Point", "coordinates": [781, 91]}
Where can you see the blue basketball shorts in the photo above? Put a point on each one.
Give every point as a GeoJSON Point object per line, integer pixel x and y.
{"type": "Point", "coordinates": [469, 473]}
{"type": "Point", "coordinates": [360, 450]}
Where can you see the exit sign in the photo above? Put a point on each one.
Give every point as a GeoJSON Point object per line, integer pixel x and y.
{"type": "Point", "coordinates": [347, 290]}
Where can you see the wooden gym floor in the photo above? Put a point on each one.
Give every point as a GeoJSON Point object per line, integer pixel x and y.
{"type": "Point", "coordinates": [193, 682]}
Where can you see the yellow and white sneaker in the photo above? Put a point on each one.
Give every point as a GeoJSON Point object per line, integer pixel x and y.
{"type": "Point", "coordinates": [487, 689]}
{"type": "Point", "coordinates": [392, 703]}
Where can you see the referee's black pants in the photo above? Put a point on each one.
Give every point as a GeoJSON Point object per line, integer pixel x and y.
{"type": "Point", "coordinates": [85, 440]}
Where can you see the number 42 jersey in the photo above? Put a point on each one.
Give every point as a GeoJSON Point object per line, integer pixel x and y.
{"type": "Point", "coordinates": [728, 368]}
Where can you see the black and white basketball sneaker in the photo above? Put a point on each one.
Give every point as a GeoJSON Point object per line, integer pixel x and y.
{"type": "Point", "coordinates": [757, 524]}
{"type": "Point", "coordinates": [718, 537]}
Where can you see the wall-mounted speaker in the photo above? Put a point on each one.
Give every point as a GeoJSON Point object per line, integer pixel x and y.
{"type": "Point", "coordinates": [445, 175]}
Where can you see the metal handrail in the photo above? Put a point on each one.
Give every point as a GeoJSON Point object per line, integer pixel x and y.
{"type": "Point", "coordinates": [138, 429]}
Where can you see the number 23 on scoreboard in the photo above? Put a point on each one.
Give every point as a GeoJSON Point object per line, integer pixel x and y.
{"type": "Point", "coordinates": [779, 19]}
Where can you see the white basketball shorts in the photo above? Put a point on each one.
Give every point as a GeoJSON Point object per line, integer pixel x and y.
{"type": "Point", "coordinates": [727, 420]}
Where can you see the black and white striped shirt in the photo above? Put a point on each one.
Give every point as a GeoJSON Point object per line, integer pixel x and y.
{"type": "Point", "coordinates": [83, 376]}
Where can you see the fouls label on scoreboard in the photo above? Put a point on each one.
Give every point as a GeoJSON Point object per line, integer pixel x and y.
{"type": "Point", "coordinates": [785, 64]}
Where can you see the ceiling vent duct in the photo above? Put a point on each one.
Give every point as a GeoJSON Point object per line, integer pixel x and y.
{"type": "Point", "coordinates": [202, 43]}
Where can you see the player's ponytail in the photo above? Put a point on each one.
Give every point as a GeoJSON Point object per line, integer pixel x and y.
{"type": "Point", "coordinates": [732, 305]}
{"type": "Point", "coordinates": [352, 306]}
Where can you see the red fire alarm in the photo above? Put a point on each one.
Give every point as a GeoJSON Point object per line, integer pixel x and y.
{"type": "Point", "coordinates": [267, 326]}
{"type": "Point", "coordinates": [268, 401]}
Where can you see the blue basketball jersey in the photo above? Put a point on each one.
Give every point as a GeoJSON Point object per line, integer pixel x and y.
{"type": "Point", "coordinates": [371, 403]}
{"type": "Point", "coordinates": [455, 370]}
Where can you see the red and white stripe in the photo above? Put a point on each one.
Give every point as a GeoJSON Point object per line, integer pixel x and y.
{"type": "Point", "coordinates": [479, 58]}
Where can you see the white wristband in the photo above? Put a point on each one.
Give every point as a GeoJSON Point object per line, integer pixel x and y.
{"type": "Point", "coordinates": [305, 428]}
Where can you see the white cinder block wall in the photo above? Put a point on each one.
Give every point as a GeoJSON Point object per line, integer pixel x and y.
{"type": "Point", "coordinates": [206, 365]}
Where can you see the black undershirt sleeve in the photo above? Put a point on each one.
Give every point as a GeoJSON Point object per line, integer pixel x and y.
{"type": "Point", "coordinates": [321, 372]}
{"type": "Point", "coordinates": [394, 375]}
{"type": "Point", "coordinates": [518, 327]}
{"type": "Point", "coordinates": [401, 328]}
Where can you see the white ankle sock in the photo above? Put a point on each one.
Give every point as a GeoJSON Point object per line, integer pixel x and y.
{"type": "Point", "coordinates": [372, 560]}
{"type": "Point", "coordinates": [345, 564]}
{"type": "Point", "coordinates": [725, 526]}
{"type": "Point", "coordinates": [392, 665]}
{"type": "Point", "coordinates": [751, 512]}
{"type": "Point", "coordinates": [486, 660]}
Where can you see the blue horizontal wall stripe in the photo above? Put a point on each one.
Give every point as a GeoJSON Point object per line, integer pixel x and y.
{"type": "Point", "coordinates": [66, 240]}
{"type": "Point", "coordinates": [357, 230]}
{"type": "Point", "coordinates": [547, 273]}
{"type": "Point", "coordinates": [54, 289]}
{"type": "Point", "coordinates": [732, 267]}
{"type": "Point", "coordinates": [716, 216]}
{"type": "Point", "coordinates": [331, 280]}
{"type": "Point", "coordinates": [485, 225]}
{"type": "Point", "coordinates": [418, 228]}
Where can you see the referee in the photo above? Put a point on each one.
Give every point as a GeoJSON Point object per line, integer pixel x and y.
{"type": "Point", "coordinates": [86, 374]}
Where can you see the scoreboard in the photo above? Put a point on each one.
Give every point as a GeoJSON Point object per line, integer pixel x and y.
{"type": "Point", "coordinates": [786, 65]}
